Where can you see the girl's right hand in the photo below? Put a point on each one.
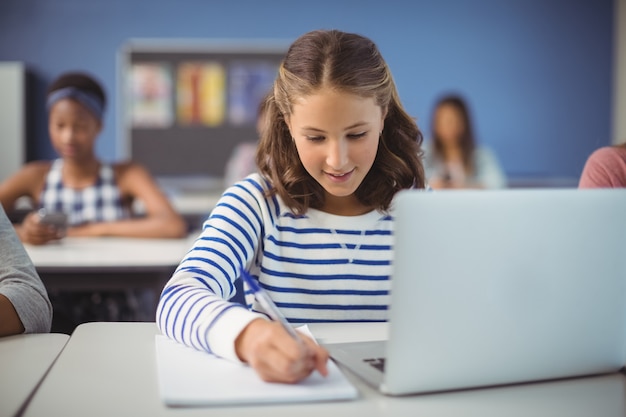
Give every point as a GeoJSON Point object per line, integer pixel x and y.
{"type": "Point", "coordinates": [278, 357]}
{"type": "Point", "coordinates": [36, 233]}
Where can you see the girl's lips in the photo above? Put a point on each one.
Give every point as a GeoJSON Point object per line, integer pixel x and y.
{"type": "Point", "coordinates": [339, 177]}
{"type": "Point", "coordinates": [69, 151]}
{"type": "Point", "coordinates": [70, 148]}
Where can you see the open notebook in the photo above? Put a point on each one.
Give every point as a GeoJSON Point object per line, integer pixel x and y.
{"type": "Point", "coordinates": [188, 377]}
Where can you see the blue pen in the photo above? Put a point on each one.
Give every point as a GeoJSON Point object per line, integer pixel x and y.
{"type": "Point", "coordinates": [268, 305]}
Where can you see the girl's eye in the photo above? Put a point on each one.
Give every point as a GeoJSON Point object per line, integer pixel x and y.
{"type": "Point", "coordinates": [315, 138]}
{"type": "Point", "coordinates": [357, 135]}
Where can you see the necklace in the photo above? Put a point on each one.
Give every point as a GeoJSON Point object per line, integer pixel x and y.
{"type": "Point", "coordinates": [349, 252]}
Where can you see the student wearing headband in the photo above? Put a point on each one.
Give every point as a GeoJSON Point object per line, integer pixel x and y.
{"type": "Point", "coordinates": [96, 197]}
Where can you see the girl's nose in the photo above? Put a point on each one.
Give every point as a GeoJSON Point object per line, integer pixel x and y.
{"type": "Point", "coordinates": [337, 154]}
{"type": "Point", "coordinates": [67, 135]}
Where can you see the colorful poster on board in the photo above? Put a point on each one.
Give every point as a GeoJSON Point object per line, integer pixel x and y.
{"type": "Point", "coordinates": [150, 95]}
{"type": "Point", "coordinates": [248, 83]}
{"type": "Point", "coordinates": [201, 93]}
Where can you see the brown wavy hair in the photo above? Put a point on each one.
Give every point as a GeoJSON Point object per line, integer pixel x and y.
{"type": "Point", "coordinates": [349, 63]}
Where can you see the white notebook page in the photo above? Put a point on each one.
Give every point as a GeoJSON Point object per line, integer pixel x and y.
{"type": "Point", "coordinates": [188, 377]}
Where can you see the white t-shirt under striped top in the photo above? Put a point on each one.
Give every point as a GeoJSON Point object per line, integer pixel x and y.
{"type": "Point", "coordinates": [317, 267]}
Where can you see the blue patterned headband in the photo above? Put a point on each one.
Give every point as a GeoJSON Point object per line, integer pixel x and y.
{"type": "Point", "coordinates": [87, 99]}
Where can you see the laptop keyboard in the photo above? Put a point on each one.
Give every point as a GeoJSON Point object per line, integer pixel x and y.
{"type": "Point", "coordinates": [378, 363]}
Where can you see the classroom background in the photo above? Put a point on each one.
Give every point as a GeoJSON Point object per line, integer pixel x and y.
{"type": "Point", "coordinates": [539, 74]}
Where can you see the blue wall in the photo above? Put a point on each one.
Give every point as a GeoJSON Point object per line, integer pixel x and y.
{"type": "Point", "coordinates": [537, 72]}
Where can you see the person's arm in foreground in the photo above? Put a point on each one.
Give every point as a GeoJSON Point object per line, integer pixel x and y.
{"type": "Point", "coordinates": [24, 303]}
{"type": "Point", "coordinates": [605, 168]}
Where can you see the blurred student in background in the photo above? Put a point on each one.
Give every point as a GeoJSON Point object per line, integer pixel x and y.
{"type": "Point", "coordinates": [453, 158]}
{"type": "Point", "coordinates": [96, 197]}
{"type": "Point", "coordinates": [605, 168]}
{"type": "Point", "coordinates": [242, 160]}
{"type": "Point", "coordinates": [24, 303]}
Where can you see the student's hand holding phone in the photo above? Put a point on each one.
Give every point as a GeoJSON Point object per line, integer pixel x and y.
{"type": "Point", "coordinates": [276, 356]}
{"type": "Point", "coordinates": [36, 229]}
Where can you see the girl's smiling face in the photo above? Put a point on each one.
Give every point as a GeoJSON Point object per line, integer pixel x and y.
{"type": "Point", "coordinates": [336, 135]}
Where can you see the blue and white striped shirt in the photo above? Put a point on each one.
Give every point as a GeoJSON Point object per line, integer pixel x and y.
{"type": "Point", "coordinates": [100, 202]}
{"type": "Point", "coordinates": [317, 267]}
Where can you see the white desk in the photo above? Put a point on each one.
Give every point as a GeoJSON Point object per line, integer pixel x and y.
{"type": "Point", "coordinates": [24, 360]}
{"type": "Point", "coordinates": [109, 369]}
{"type": "Point", "coordinates": [111, 253]}
{"type": "Point", "coordinates": [195, 203]}
{"type": "Point", "coordinates": [194, 207]}
{"type": "Point", "coordinates": [108, 262]}
{"type": "Point", "coordinates": [193, 196]}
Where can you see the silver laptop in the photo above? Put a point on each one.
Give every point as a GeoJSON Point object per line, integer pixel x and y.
{"type": "Point", "coordinates": [500, 287]}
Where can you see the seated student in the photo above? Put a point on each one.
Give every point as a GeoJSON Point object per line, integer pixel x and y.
{"type": "Point", "coordinates": [241, 162]}
{"type": "Point", "coordinates": [24, 303]}
{"type": "Point", "coordinates": [452, 158]}
{"type": "Point", "coordinates": [315, 225]}
{"type": "Point", "coordinates": [97, 197]}
{"type": "Point", "coordinates": [605, 168]}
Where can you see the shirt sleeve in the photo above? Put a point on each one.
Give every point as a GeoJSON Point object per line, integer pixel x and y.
{"type": "Point", "coordinates": [605, 168]}
{"type": "Point", "coordinates": [194, 308]}
{"type": "Point", "coordinates": [489, 172]}
{"type": "Point", "coordinates": [20, 283]}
